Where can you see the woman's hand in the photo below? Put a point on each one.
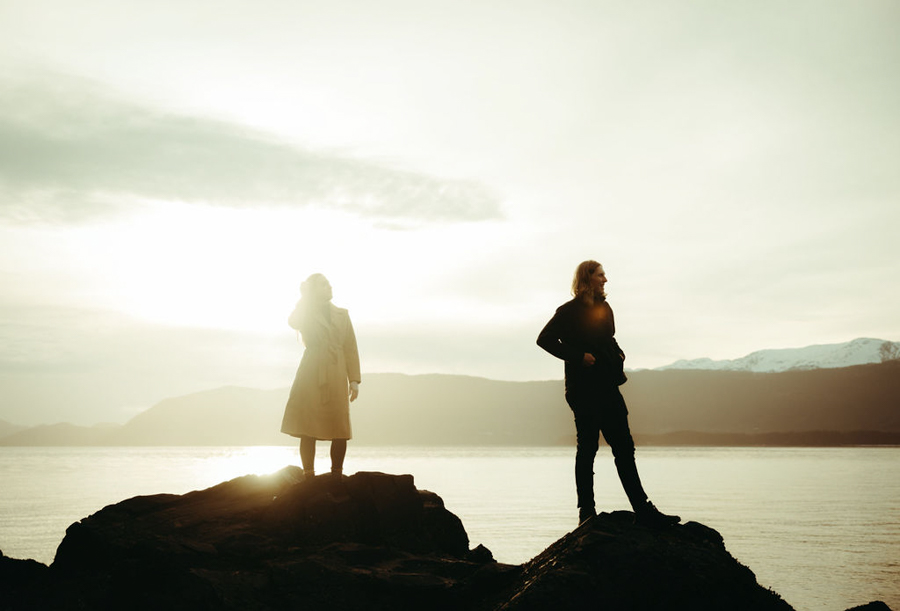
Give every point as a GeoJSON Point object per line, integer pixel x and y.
{"type": "Point", "coordinates": [354, 390]}
{"type": "Point", "coordinates": [588, 359]}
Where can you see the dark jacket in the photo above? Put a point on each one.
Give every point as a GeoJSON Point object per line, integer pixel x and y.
{"type": "Point", "coordinates": [578, 328]}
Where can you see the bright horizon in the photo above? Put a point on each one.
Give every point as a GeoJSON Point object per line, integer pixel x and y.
{"type": "Point", "coordinates": [170, 174]}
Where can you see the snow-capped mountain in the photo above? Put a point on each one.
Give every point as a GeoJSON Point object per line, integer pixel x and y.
{"type": "Point", "coordinates": [860, 351]}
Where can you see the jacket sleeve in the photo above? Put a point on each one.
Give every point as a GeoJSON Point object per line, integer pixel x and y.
{"type": "Point", "coordinates": [552, 338]}
{"type": "Point", "coordinates": [619, 349]}
{"type": "Point", "coordinates": [351, 354]}
{"type": "Point", "coordinates": [296, 317]}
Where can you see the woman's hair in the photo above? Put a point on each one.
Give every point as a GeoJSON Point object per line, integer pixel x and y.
{"type": "Point", "coordinates": [581, 282]}
{"type": "Point", "coordinates": [312, 284]}
{"type": "Point", "coordinates": [310, 308]}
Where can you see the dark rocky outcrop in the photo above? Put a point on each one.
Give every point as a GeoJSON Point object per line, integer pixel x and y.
{"type": "Point", "coordinates": [876, 605]}
{"type": "Point", "coordinates": [368, 541]}
{"type": "Point", "coordinates": [21, 582]}
{"type": "Point", "coordinates": [610, 563]}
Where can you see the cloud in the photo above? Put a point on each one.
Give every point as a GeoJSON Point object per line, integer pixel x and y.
{"type": "Point", "coordinates": [69, 152]}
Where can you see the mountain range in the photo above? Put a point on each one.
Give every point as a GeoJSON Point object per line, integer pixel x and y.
{"type": "Point", "coordinates": [856, 404]}
{"type": "Point", "coordinates": [861, 351]}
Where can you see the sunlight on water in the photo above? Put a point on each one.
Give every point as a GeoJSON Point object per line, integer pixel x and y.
{"type": "Point", "coordinates": [229, 463]}
{"type": "Point", "coordinates": [819, 526]}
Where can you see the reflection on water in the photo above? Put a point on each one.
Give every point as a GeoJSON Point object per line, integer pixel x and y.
{"type": "Point", "coordinates": [819, 526]}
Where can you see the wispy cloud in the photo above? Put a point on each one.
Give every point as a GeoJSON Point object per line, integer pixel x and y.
{"type": "Point", "coordinates": [69, 151]}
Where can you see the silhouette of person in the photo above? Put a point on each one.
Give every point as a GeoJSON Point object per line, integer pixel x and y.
{"type": "Point", "coordinates": [327, 379]}
{"type": "Point", "coordinates": [582, 333]}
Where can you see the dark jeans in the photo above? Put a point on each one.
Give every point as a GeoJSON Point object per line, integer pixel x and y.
{"type": "Point", "coordinates": [599, 409]}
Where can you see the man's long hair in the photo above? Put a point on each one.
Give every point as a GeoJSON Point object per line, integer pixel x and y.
{"type": "Point", "coordinates": [581, 282]}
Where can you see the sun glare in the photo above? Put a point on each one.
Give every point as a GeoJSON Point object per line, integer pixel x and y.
{"type": "Point", "coordinates": [251, 460]}
{"type": "Point", "coordinates": [194, 266]}
{"type": "Point", "coordinates": [240, 269]}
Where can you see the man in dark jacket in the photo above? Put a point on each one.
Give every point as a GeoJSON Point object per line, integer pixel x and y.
{"type": "Point", "coordinates": [582, 333]}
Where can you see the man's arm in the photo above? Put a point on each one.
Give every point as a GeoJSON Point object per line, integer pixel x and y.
{"type": "Point", "coordinates": [551, 339]}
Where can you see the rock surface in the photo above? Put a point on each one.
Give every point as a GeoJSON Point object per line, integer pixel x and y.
{"type": "Point", "coordinates": [368, 541]}
{"type": "Point", "coordinates": [610, 563]}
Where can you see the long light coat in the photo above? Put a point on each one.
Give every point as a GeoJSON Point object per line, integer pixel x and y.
{"type": "Point", "coordinates": [319, 404]}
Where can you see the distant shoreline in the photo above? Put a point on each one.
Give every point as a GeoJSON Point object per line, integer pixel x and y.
{"type": "Point", "coordinates": [854, 406]}
{"type": "Point", "coordinates": [685, 439]}
{"type": "Point", "coordinates": [800, 439]}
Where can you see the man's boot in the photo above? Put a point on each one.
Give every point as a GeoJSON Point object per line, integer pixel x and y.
{"type": "Point", "coordinates": [646, 514]}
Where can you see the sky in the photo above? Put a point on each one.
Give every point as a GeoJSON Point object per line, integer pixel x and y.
{"type": "Point", "coordinates": [171, 171]}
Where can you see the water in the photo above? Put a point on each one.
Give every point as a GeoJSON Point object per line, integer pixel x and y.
{"type": "Point", "coordinates": [819, 526]}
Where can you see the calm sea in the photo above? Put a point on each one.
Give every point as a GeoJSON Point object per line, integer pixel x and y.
{"type": "Point", "coordinates": [819, 526]}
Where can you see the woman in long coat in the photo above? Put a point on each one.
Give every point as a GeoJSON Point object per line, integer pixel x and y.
{"type": "Point", "coordinates": [582, 333]}
{"type": "Point", "coordinates": [327, 379]}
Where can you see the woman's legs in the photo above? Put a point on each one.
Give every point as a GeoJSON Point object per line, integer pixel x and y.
{"type": "Point", "coordinates": [308, 454]}
{"type": "Point", "coordinates": [338, 451]}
